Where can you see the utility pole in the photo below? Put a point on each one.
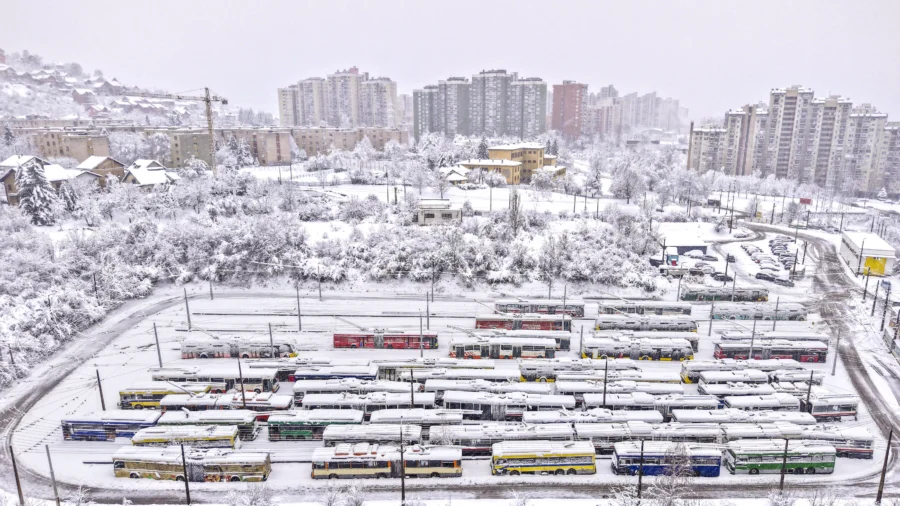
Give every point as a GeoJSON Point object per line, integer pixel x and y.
{"type": "Point", "coordinates": [887, 454]}
{"type": "Point", "coordinates": [678, 296]}
{"type": "Point", "coordinates": [12, 457]}
{"type": "Point", "coordinates": [187, 308]}
{"type": "Point", "coordinates": [427, 311]}
{"type": "Point", "coordinates": [96, 295]}
{"type": "Point", "coordinates": [241, 376]}
{"type": "Point", "coordinates": [809, 392]}
{"type": "Point", "coordinates": [210, 289]}
{"type": "Point", "coordinates": [158, 352]}
{"type": "Point", "coordinates": [640, 472]}
{"type": "Point", "coordinates": [887, 302]}
{"type": "Point", "coordinates": [100, 386]}
{"type": "Point", "coordinates": [605, 376]}
{"type": "Point", "coordinates": [875, 298]}
{"type": "Point", "coordinates": [752, 341]}
{"type": "Point", "coordinates": [319, 276]}
{"type": "Point", "coordinates": [783, 466]}
{"type": "Point", "coordinates": [733, 286]}
{"type": "Point", "coordinates": [187, 488]}
{"type": "Point", "coordinates": [421, 353]}
{"type": "Point", "coordinates": [412, 389]}
{"type": "Point", "coordinates": [775, 319]}
{"type": "Point", "coordinates": [866, 286]}
{"type": "Point", "coordinates": [299, 320]}
{"type": "Point", "coordinates": [52, 475]}
{"type": "Point", "coordinates": [773, 214]}
{"type": "Point", "coordinates": [712, 309]}
{"type": "Point", "coordinates": [402, 467]}
{"type": "Point", "coordinates": [837, 348]}
{"type": "Point", "coordinates": [272, 342]}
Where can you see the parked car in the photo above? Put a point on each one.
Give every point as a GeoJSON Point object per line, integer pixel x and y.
{"type": "Point", "coordinates": [721, 276]}
{"type": "Point", "coordinates": [694, 253]}
{"type": "Point", "coordinates": [656, 262]}
{"type": "Point", "coordinates": [741, 234]}
{"type": "Point", "coordinates": [710, 258]}
{"type": "Point", "coordinates": [765, 276]}
{"type": "Point", "coordinates": [730, 258]}
{"type": "Point", "coordinates": [783, 282]}
{"type": "Point", "coordinates": [707, 269]}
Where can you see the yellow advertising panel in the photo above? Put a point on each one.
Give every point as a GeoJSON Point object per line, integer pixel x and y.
{"type": "Point", "coordinates": [875, 265]}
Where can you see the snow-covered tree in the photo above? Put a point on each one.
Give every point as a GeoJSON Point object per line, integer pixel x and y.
{"type": "Point", "coordinates": [627, 184]}
{"type": "Point", "coordinates": [482, 152]}
{"type": "Point", "coordinates": [257, 494]}
{"type": "Point", "coordinates": [67, 196]}
{"type": "Point", "coordinates": [159, 148]}
{"type": "Point", "coordinates": [494, 179]}
{"type": "Point", "coordinates": [542, 181]}
{"type": "Point", "coordinates": [548, 147]}
{"type": "Point", "coordinates": [439, 183]}
{"type": "Point", "coordinates": [364, 151]}
{"type": "Point", "coordinates": [36, 194]}
{"type": "Point", "coordinates": [676, 484]}
{"type": "Point", "coordinates": [549, 262]}
{"type": "Point", "coordinates": [554, 148]}
{"type": "Point", "coordinates": [127, 147]}
{"type": "Point", "coordinates": [8, 137]}
{"type": "Point", "coordinates": [515, 216]}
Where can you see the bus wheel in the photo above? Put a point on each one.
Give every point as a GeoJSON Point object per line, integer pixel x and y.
{"type": "Point", "coordinates": [570, 472]}
{"type": "Point", "coordinates": [235, 478]}
{"type": "Point", "coordinates": [381, 475]}
{"type": "Point", "coordinates": [245, 356]}
{"type": "Point", "coordinates": [204, 355]}
{"type": "Point", "coordinates": [435, 475]}
{"type": "Point", "coordinates": [543, 379]}
{"type": "Point", "coordinates": [179, 478]}
{"type": "Point", "coordinates": [810, 470]}
{"type": "Point", "coordinates": [514, 473]}
{"type": "Point", "coordinates": [257, 391]}
{"type": "Point", "coordinates": [754, 471]}
{"type": "Point", "coordinates": [560, 472]}
{"type": "Point", "coordinates": [138, 406]}
{"type": "Point", "coordinates": [332, 476]}
{"type": "Point", "coordinates": [134, 475]}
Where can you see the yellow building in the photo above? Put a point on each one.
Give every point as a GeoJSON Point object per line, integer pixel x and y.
{"type": "Point", "coordinates": [529, 154]}
{"type": "Point", "coordinates": [509, 169]}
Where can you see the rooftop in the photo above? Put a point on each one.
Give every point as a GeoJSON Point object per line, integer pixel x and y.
{"type": "Point", "coordinates": [489, 162]}
{"type": "Point", "coordinates": [872, 241]}
{"type": "Point", "coordinates": [520, 145]}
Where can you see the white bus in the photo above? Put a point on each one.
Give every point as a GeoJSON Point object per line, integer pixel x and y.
{"type": "Point", "coordinates": [544, 370]}
{"type": "Point", "coordinates": [508, 406]}
{"type": "Point", "coordinates": [202, 465]}
{"type": "Point", "coordinates": [543, 457]}
{"type": "Point", "coordinates": [690, 371]}
{"type": "Point", "coordinates": [426, 418]}
{"type": "Point", "coordinates": [199, 436]}
{"type": "Point", "coordinates": [669, 323]}
{"type": "Point", "coordinates": [793, 376]}
{"type": "Point", "coordinates": [348, 385]}
{"type": "Point", "coordinates": [363, 460]}
{"type": "Point", "coordinates": [369, 403]}
{"type": "Point", "coordinates": [307, 425]}
{"type": "Point", "coordinates": [384, 434]}
{"type": "Point", "coordinates": [642, 375]}
{"type": "Point", "coordinates": [287, 366]}
{"type": "Point", "coordinates": [596, 415]}
{"type": "Point", "coordinates": [243, 347]}
{"type": "Point", "coordinates": [624, 346]}
{"type": "Point", "coordinates": [645, 307]}
{"type": "Point", "coordinates": [722, 390]}
{"type": "Point", "coordinates": [605, 435]}
{"type": "Point", "coordinates": [632, 401]}
{"type": "Point", "coordinates": [392, 369]}
{"type": "Point", "coordinates": [325, 372]}
{"type": "Point", "coordinates": [831, 406]}
{"type": "Point", "coordinates": [147, 395]}
{"type": "Point", "coordinates": [563, 338]}
{"type": "Point", "coordinates": [243, 419]}
{"type": "Point", "coordinates": [499, 375]}
{"type": "Point", "coordinates": [571, 307]}
{"type": "Point", "coordinates": [781, 335]}
{"type": "Point", "coordinates": [439, 386]}
{"type": "Point", "coordinates": [774, 402]}
{"type": "Point", "coordinates": [476, 439]}
{"type": "Point", "coordinates": [667, 403]}
{"type": "Point", "coordinates": [754, 376]}
{"type": "Point", "coordinates": [731, 415]}
{"type": "Point", "coordinates": [579, 388]}
{"type": "Point", "coordinates": [502, 348]}
{"type": "Point", "coordinates": [257, 380]}
{"type": "Point", "coordinates": [691, 337]}
{"type": "Point", "coordinates": [792, 311]}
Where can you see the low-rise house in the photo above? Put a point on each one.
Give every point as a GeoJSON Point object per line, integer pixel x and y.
{"type": "Point", "coordinates": [437, 212]}
{"type": "Point", "coordinates": [455, 175]}
{"type": "Point", "coordinates": [55, 174]}
{"type": "Point", "coordinates": [103, 166]}
{"type": "Point", "coordinates": [149, 174]}
{"type": "Point", "coordinates": [509, 169]}
{"type": "Point", "coordinates": [83, 96]}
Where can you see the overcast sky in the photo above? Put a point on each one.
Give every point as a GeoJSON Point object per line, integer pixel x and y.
{"type": "Point", "coordinates": [711, 55]}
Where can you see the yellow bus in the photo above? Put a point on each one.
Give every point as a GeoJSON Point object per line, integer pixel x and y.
{"type": "Point", "coordinates": [202, 465]}
{"type": "Point", "coordinates": [543, 457]}
{"type": "Point", "coordinates": [148, 394]}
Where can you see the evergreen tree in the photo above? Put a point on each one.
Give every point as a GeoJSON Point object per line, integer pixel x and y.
{"type": "Point", "coordinates": [8, 137]}
{"type": "Point", "coordinates": [548, 148]}
{"type": "Point", "coordinates": [68, 196]}
{"type": "Point", "coordinates": [554, 148]}
{"type": "Point", "coordinates": [36, 196]}
{"type": "Point", "coordinates": [482, 152]}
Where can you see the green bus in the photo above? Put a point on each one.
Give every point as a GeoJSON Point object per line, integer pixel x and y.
{"type": "Point", "coordinates": [767, 456]}
{"type": "Point", "coordinates": [309, 424]}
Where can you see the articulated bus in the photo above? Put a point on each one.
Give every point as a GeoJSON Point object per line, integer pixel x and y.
{"type": "Point", "coordinates": [350, 386]}
{"type": "Point", "coordinates": [327, 372]}
{"type": "Point", "coordinates": [643, 375]}
{"type": "Point", "coordinates": [387, 340]}
{"type": "Point", "coordinates": [286, 367]}
{"type": "Point", "coordinates": [508, 406]}
{"type": "Point", "coordinates": [202, 465]}
{"type": "Point", "coordinates": [801, 351]}
{"type": "Point", "coordinates": [377, 434]}
{"type": "Point", "coordinates": [670, 323]}
{"type": "Point", "coordinates": [579, 388]}
{"type": "Point", "coordinates": [502, 348]}
{"type": "Point", "coordinates": [571, 307]}
{"type": "Point", "coordinates": [106, 425]}
{"type": "Point", "coordinates": [690, 371]}
{"type": "Point", "coordinates": [477, 439]}
{"type": "Point", "coordinates": [563, 338]}
{"type": "Point", "coordinates": [243, 347]}
{"type": "Point", "coordinates": [724, 293]}
{"type": "Point", "coordinates": [311, 424]}
{"type": "Point", "coordinates": [243, 419]}
{"type": "Point", "coordinates": [543, 457]}
{"type": "Point", "coordinates": [264, 404]}
{"type": "Point", "coordinates": [657, 458]}
{"type": "Point", "coordinates": [543, 370]}
{"type": "Point", "coordinates": [362, 460]}
{"type": "Point", "coordinates": [199, 436]}
{"type": "Point", "coordinates": [791, 311]}
{"type": "Point", "coordinates": [645, 307]}
{"type": "Point", "coordinates": [232, 376]}
{"type": "Point", "coordinates": [527, 321]}
{"type": "Point", "coordinates": [766, 456]}
{"type": "Point", "coordinates": [637, 349]}
{"type": "Point", "coordinates": [439, 386]}
{"type": "Point", "coordinates": [149, 394]}
{"type": "Point", "coordinates": [369, 403]}
{"type": "Point", "coordinates": [392, 369]}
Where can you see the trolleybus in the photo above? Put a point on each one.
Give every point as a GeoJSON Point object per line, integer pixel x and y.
{"type": "Point", "coordinates": [524, 321]}
{"type": "Point", "coordinates": [387, 339]}
{"type": "Point", "coordinates": [645, 307]}
{"type": "Point", "coordinates": [198, 436]}
{"type": "Point", "coordinates": [596, 415]}
{"type": "Point", "coordinates": [508, 406]}
{"type": "Point", "coordinates": [502, 348]}
{"type": "Point", "coordinates": [476, 439]}
{"type": "Point", "coordinates": [391, 369]}
{"type": "Point", "coordinates": [350, 386]}
{"type": "Point", "coordinates": [381, 434]}
{"type": "Point", "coordinates": [677, 323]}
{"type": "Point", "coordinates": [546, 369]}
{"type": "Point", "coordinates": [690, 371]}
{"type": "Point", "coordinates": [243, 347]}
{"type": "Point", "coordinates": [202, 465]}
{"type": "Point", "coordinates": [716, 293]}
{"type": "Point", "coordinates": [497, 375]}
{"type": "Point", "coordinates": [543, 457]}
{"type": "Point", "coordinates": [732, 415]}
{"type": "Point", "coordinates": [571, 307]}
{"type": "Point", "coordinates": [831, 407]}
{"type": "Point", "coordinates": [369, 403]}
{"type": "Point", "coordinates": [658, 457]}
{"type": "Point", "coordinates": [305, 425]}
{"type": "Point", "coordinates": [805, 351]}
{"type": "Point", "coordinates": [327, 372]}
{"type": "Point", "coordinates": [756, 311]}
{"type": "Point", "coordinates": [604, 436]}
{"type": "Point", "coordinates": [362, 460]}
{"type": "Point", "coordinates": [767, 456]}
{"type": "Point", "coordinates": [243, 419]}
{"type": "Point", "coordinates": [231, 376]}
{"type": "Point", "coordinates": [106, 425]}
{"type": "Point", "coordinates": [148, 394]}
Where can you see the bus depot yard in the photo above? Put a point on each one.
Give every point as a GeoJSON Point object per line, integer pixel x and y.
{"type": "Point", "coordinates": [479, 389]}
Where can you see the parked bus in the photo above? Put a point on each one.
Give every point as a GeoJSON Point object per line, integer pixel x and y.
{"type": "Point", "coordinates": [327, 372]}
{"type": "Point", "coordinates": [563, 338]}
{"type": "Point", "coordinates": [106, 425]}
{"type": "Point", "coordinates": [831, 407]}
{"type": "Point", "coordinates": [774, 402]}
{"type": "Point", "coordinates": [477, 439]}
{"type": "Point", "coordinates": [571, 307]}
{"type": "Point", "coordinates": [795, 376]}
{"type": "Point", "coordinates": [362, 460]}
{"type": "Point", "coordinates": [724, 293]}
{"type": "Point", "coordinates": [690, 371]}
{"type": "Point", "coordinates": [851, 442]}
{"type": "Point", "coordinates": [792, 311]}
{"type": "Point", "coordinates": [264, 404]}
{"type": "Point", "coordinates": [392, 369]}
{"type": "Point", "coordinates": [148, 394]}
{"type": "Point", "coordinates": [525, 321]}
{"type": "Point", "coordinates": [508, 406]}
{"type": "Point", "coordinates": [231, 376]}
{"type": "Point", "coordinates": [579, 388]}
{"type": "Point", "coordinates": [667, 403]}
{"type": "Point", "coordinates": [691, 337]}
{"type": "Point", "coordinates": [722, 390]}
{"type": "Point", "coordinates": [643, 375]}
{"type": "Point", "coordinates": [439, 386]}
{"type": "Point", "coordinates": [198, 436]}
{"type": "Point", "coordinates": [243, 347]}
{"type": "Point", "coordinates": [604, 436]}
{"type": "Point", "coordinates": [596, 415]}
{"type": "Point", "coordinates": [645, 307]}
{"type": "Point", "coordinates": [679, 323]}
{"type": "Point", "coordinates": [425, 418]}
{"type": "Point", "coordinates": [502, 348]}
{"type": "Point", "coordinates": [286, 367]}
{"type": "Point", "coordinates": [767, 456]}
{"type": "Point", "coordinates": [310, 424]}
{"type": "Point", "coordinates": [658, 457]}
{"type": "Point", "coordinates": [781, 335]}
{"type": "Point", "coordinates": [495, 375]}
{"type": "Point", "coordinates": [243, 419]}
{"type": "Point", "coordinates": [637, 349]}
{"type": "Point", "coordinates": [388, 340]}
{"type": "Point", "coordinates": [381, 434]}
{"type": "Point", "coordinates": [544, 370]}
{"type": "Point", "coordinates": [350, 386]}
{"type": "Point", "coordinates": [369, 403]}
{"type": "Point", "coordinates": [740, 376]}
{"type": "Point", "coordinates": [543, 457]}
{"type": "Point", "coordinates": [732, 415]}
{"type": "Point", "coordinates": [202, 465]}
{"type": "Point", "coordinates": [807, 351]}
{"type": "Point", "coordinates": [631, 401]}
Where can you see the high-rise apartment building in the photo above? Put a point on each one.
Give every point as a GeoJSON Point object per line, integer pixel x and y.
{"type": "Point", "coordinates": [828, 129]}
{"type": "Point", "coordinates": [861, 171]}
{"type": "Point", "coordinates": [287, 106]}
{"type": "Point", "coordinates": [570, 102]}
{"type": "Point", "coordinates": [453, 106]}
{"type": "Point", "coordinates": [425, 111]}
{"type": "Point", "coordinates": [707, 149]}
{"type": "Point", "coordinates": [526, 108]}
{"type": "Point", "coordinates": [889, 158]}
{"type": "Point", "coordinates": [311, 102]}
{"type": "Point", "coordinates": [608, 92]}
{"type": "Point", "coordinates": [740, 140]}
{"type": "Point", "coordinates": [342, 97]}
{"type": "Point", "coordinates": [787, 139]}
{"type": "Point", "coordinates": [378, 103]}
{"type": "Point", "coordinates": [488, 100]}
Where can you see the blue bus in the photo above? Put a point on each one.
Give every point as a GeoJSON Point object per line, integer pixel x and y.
{"type": "Point", "coordinates": [660, 456]}
{"type": "Point", "coordinates": [107, 425]}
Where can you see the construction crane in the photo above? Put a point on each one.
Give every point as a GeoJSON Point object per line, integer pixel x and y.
{"type": "Point", "coordinates": [208, 99]}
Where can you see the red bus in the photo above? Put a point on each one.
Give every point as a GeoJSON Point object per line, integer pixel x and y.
{"type": "Point", "coordinates": [386, 340]}
{"type": "Point", "coordinates": [801, 351]}
{"type": "Point", "coordinates": [524, 321]}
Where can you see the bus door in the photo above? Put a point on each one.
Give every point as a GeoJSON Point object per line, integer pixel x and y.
{"type": "Point", "coordinates": [492, 351]}
{"type": "Point", "coordinates": [517, 351]}
{"type": "Point", "coordinates": [110, 433]}
{"type": "Point", "coordinates": [460, 351]}
{"type": "Point", "coordinates": [379, 341]}
{"type": "Point", "coordinates": [195, 472]}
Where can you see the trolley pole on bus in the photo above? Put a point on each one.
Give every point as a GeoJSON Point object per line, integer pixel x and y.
{"type": "Point", "coordinates": [187, 488]}
{"type": "Point", "coordinates": [272, 342]}
{"type": "Point", "coordinates": [158, 351]}
{"type": "Point", "coordinates": [887, 454]}
{"type": "Point", "coordinates": [783, 466]}
{"type": "Point", "coordinates": [836, 350]}
{"type": "Point", "coordinates": [187, 308]}
{"type": "Point", "coordinates": [100, 386]}
{"type": "Point", "coordinates": [52, 475]}
{"type": "Point", "coordinates": [775, 320]}
{"type": "Point", "coordinates": [241, 376]}
{"type": "Point", "coordinates": [640, 472]}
